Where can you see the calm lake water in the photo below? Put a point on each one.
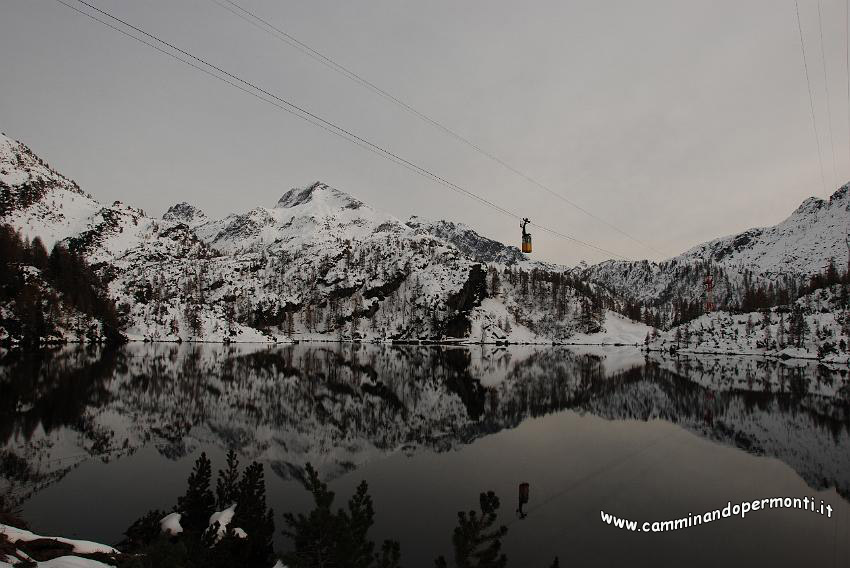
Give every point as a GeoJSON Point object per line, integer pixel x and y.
{"type": "Point", "coordinates": [93, 438]}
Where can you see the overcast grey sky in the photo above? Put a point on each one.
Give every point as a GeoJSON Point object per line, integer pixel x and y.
{"type": "Point", "coordinates": [676, 120]}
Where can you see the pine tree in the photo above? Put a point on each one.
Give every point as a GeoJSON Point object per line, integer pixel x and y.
{"type": "Point", "coordinates": [495, 283]}
{"type": "Point", "coordinates": [477, 540]}
{"type": "Point", "coordinates": [290, 324]}
{"type": "Point", "coordinates": [226, 489]}
{"type": "Point", "coordinates": [197, 504]}
{"type": "Point", "coordinates": [766, 322]}
{"type": "Point", "coordinates": [38, 254]}
{"type": "Point", "coordinates": [327, 538]}
{"type": "Point", "coordinates": [254, 517]}
{"type": "Point", "coordinates": [802, 327]}
{"type": "Point", "coordinates": [192, 315]}
{"type": "Point", "coordinates": [230, 318]}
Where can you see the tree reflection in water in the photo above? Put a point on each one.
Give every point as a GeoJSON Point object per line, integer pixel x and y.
{"type": "Point", "coordinates": [339, 406]}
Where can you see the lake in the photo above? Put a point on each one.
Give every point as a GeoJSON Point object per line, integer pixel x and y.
{"type": "Point", "coordinates": [92, 438]}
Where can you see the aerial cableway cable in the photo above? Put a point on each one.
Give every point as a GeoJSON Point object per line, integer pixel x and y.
{"type": "Point", "coordinates": [847, 62]}
{"type": "Point", "coordinates": [811, 98]}
{"type": "Point", "coordinates": [283, 104]}
{"type": "Point", "coordinates": [267, 27]}
{"type": "Point", "coordinates": [826, 87]}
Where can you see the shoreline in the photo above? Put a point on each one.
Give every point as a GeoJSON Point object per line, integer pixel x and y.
{"type": "Point", "coordinates": [777, 356]}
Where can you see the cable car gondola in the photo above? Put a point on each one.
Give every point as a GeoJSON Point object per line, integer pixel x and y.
{"type": "Point", "coordinates": [522, 500]}
{"type": "Point", "coordinates": [526, 237]}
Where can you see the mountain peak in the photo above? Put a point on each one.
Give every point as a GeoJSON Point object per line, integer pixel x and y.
{"type": "Point", "coordinates": [318, 193]}
{"type": "Point", "coordinates": [467, 240]}
{"type": "Point", "coordinates": [5, 141]}
{"type": "Point", "coordinates": [840, 194]}
{"type": "Point", "coordinates": [20, 168]}
{"type": "Point", "coordinates": [185, 213]}
{"type": "Point", "coordinates": [810, 204]}
{"type": "Point", "coordinates": [816, 203]}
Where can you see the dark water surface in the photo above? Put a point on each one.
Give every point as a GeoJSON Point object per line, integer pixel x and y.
{"type": "Point", "coordinates": [93, 438]}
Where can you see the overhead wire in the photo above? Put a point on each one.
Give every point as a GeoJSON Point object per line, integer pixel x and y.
{"type": "Point", "coordinates": [811, 97]}
{"type": "Point", "coordinates": [828, 100]}
{"type": "Point", "coordinates": [264, 25]}
{"type": "Point", "coordinates": [595, 473]}
{"type": "Point", "coordinates": [199, 68]}
{"type": "Point", "coordinates": [847, 63]}
{"type": "Point", "coordinates": [847, 76]}
{"type": "Point", "coordinates": [315, 119]}
{"type": "Point", "coordinates": [283, 104]}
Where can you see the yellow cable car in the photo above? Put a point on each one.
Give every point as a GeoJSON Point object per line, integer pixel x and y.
{"type": "Point", "coordinates": [526, 237]}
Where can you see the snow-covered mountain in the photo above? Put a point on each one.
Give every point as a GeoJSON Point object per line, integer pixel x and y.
{"type": "Point", "coordinates": [795, 249]}
{"type": "Point", "coordinates": [801, 244]}
{"type": "Point", "coordinates": [322, 264]}
{"type": "Point", "coordinates": [185, 213]}
{"type": "Point", "coordinates": [468, 241]}
{"type": "Point", "coordinates": [318, 264]}
{"type": "Point", "coordinates": [41, 201]}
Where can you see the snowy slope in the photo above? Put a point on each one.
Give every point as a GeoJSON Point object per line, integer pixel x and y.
{"type": "Point", "coordinates": [619, 330]}
{"type": "Point", "coordinates": [796, 248]}
{"type": "Point", "coordinates": [36, 199]}
{"type": "Point", "coordinates": [468, 241]}
{"type": "Point", "coordinates": [801, 244]}
{"type": "Point", "coordinates": [826, 331]}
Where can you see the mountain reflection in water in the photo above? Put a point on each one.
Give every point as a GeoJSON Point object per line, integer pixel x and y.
{"type": "Point", "coordinates": [348, 407]}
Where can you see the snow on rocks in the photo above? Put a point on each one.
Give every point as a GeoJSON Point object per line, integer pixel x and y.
{"type": "Point", "coordinates": [72, 562]}
{"type": "Point", "coordinates": [619, 330]}
{"type": "Point", "coordinates": [80, 546]}
{"type": "Point", "coordinates": [21, 537]}
{"type": "Point", "coordinates": [170, 524]}
{"type": "Point", "coordinates": [239, 533]}
{"type": "Point", "coordinates": [220, 519]}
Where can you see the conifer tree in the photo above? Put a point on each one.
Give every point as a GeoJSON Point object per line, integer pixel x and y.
{"type": "Point", "coordinates": [253, 517]}
{"type": "Point", "coordinates": [477, 540]}
{"type": "Point", "coordinates": [327, 538]}
{"type": "Point", "coordinates": [766, 322]}
{"type": "Point", "coordinates": [495, 284]}
{"type": "Point", "coordinates": [196, 505]}
{"type": "Point", "coordinates": [39, 254]}
{"type": "Point", "coordinates": [227, 486]}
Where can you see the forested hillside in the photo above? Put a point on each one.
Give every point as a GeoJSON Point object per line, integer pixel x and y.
{"type": "Point", "coordinates": [51, 297]}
